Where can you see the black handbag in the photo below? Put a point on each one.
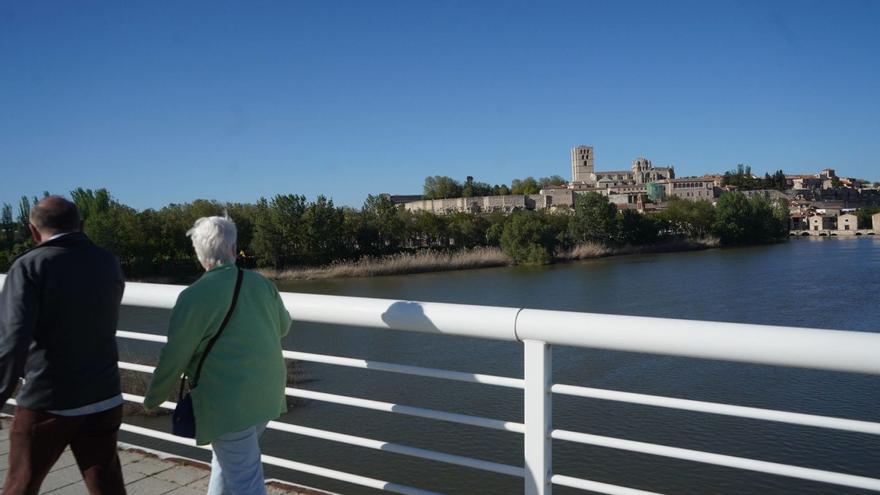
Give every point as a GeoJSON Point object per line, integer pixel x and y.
{"type": "Point", "coordinates": [183, 421]}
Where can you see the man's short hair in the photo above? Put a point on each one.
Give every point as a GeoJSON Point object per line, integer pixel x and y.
{"type": "Point", "coordinates": [55, 214]}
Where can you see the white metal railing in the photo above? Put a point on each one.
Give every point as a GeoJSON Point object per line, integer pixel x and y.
{"type": "Point", "coordinates": [538, 330]}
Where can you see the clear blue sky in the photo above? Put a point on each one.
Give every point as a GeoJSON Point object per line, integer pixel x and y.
{"type": "Point", "coordinates": [171, 101]}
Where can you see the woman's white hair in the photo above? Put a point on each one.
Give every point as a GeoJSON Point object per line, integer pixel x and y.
{"type": "Point", "coordinates": [214, 240]}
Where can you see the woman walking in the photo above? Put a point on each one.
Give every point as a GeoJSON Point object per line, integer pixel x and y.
{"type": "Point", "coordinates": [241, 382]}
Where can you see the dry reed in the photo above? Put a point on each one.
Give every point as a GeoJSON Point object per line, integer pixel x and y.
{"type": "Point", "coordinates": [592, 250]}
{"type": "Point", "coordinates": [396, 264]}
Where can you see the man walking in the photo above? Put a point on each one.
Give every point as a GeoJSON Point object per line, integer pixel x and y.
{"type": "Point", "coordinates": [58, 313]}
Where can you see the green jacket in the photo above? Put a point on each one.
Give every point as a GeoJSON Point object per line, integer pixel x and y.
{"type": "Point", "coordinates": [243, 378]}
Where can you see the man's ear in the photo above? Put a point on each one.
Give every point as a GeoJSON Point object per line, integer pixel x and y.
{"type": "Point", "coordinates": [35, 234]}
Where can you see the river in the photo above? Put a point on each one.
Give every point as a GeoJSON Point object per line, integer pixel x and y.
{"type": "Point", "coordinates": [814, 282]}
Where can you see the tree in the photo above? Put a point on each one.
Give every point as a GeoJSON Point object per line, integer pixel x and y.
{"type": "Point", "coordinates": [865, 216]}
{"type": "Point", "coordinates": [278, 230]}
{"type": "Point", "coordinates": [742, 178]}
{"type": "Point", "coordinates": [527, 239]}
{"type": "Point", "coordinates": [553, 180]}
{"type": "Point", "coordinates": [780, 183]}
{"type": "Point", "coordinates": [525, 186]}
{"type": "Point", "coordinates": [323, 231]}
{"type": "Point", "coordinates": [636, 229]}
{"type": "Point", "coordinates": [690, 218]}
{"type": "Point", "coordinates": [740, 220]}
{"type": "Point", "coordinates": [243, 215]}
{"type": "Point", "coordinates": [594, 219]}
{"type": "Point", "coordinates": [386, 221]}
{"type": "Point", "coordinates": [441, 186]}
{"type": "Point", "coordinates": [428, 229]}
{"type": "Point", "coordinates": [7, 227]}
{"type": "Point", "coordinates": [475, 189]}
{"type": "Point", "coordinates": [734, 218]}
{"type": "Point", "coordinates": [467, 230]}
{"type": "Point", "coordinates": [22, 233]}
{"type": "Point", "coordinates": [500, 190]}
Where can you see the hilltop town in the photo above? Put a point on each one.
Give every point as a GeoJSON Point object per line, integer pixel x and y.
{"type": "Point", "coordinates": [821, 203]}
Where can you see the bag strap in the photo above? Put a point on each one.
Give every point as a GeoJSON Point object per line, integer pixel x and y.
{"type": "Point", "coordinates": [222, 327]}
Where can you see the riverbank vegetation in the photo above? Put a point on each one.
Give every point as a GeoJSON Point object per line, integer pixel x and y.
{"type": "Point", "coordinates": [429, 260]}
{"type": "Point", "coordinates": [291, 237]}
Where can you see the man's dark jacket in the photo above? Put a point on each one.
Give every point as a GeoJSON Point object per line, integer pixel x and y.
{"type": "Point", "coordinates": [58, 313]}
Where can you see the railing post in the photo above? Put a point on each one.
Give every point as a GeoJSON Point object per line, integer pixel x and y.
{"type": "Point", "coordinates": [538, 371]}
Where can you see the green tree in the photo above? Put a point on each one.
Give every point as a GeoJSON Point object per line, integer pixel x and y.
{"type": "Point", "coordinates": [428, 230]}
{"type": "Point", "coordinates": [7, 227]}
{"type": "Point", "coordinates": [386, 222]}
{"type": "Point", "coordinates": [441, 186]}
{"type": "Point", "coordinates": [528, 239]}
{"type": "Point", "coordinates": [740, 220]}
{"type": "Point", "coordinates": [500, 190]}
{"type": "Point", "coordinates": [594, 219]}
{"type": "Point", "coordinates": [324, 232]}
{"type": "Point", "coordinates": [243, 215]}
{"type": "Point", "coordinates": [467, 230]}
{"type": "Point", "coordinates": [553, 180]}
{"type": "Point", "coordinates": [865, 216]}
{"type": "Point", "coordinates": [496, 220]}
{"type": "Point", "coordinates": [741, 178]}
{"type": "Point", "coordinates": [278, 230]}
{"type": "Point", "coordinates": [22, 233]}
{"type": "Point", "coordinates": [525, 186]}
{"type": "Point", "coordinates": [636, 229]}
{"type": "Point", "coordinates": [475, 189]}
{"type": "Point", "coordinates": [690, 218]}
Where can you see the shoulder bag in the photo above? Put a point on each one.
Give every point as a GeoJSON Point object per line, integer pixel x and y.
{"type": "Point", "coordinates": [183, 421]}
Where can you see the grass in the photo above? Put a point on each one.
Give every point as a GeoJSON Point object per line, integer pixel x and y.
{"type": "Point", "coordinates": [396, 264]}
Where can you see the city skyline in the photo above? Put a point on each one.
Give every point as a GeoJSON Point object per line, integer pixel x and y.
{"type": "Point", "coordinates": [167, 103]}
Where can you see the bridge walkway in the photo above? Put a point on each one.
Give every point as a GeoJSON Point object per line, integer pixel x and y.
{"type": "Point", "coordinates": [144, 474]}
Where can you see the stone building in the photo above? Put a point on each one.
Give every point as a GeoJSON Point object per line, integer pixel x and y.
{"type": "Point", "coordinates": [823, 222]}
{"type": "Point", "coordinates": [506, 203]}
{"type": "Point", "coordinates": [690, 188]}
{"type": "Point", "coordinates": [847, 221]}
{"type": "Point", "coordinates": [624, 188]}
{"type": "Point", "coordinates": [584, 174]}
{"type": "Point", "coordinates": [582, 164]}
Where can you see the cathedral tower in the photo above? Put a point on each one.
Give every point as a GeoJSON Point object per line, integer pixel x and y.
{"type": "Point", "coordinates": [582, 165]}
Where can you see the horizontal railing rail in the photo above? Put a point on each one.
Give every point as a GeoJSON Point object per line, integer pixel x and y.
{"type": "Point", "coordinates": [853, 352]}
{"type": "Point", "coordinates": [760, 344]}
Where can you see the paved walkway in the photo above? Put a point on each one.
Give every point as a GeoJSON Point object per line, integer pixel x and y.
{"type": "Point", "coordinates": [144, 473]}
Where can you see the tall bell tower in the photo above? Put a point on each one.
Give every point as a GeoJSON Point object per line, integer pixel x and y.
{"type": "Point", "coordinates": [582, 164]}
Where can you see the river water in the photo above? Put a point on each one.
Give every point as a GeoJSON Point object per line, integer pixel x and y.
{"type": "Point", "coordinates": [825, 283]}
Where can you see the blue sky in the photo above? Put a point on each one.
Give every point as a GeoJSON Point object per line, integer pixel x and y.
{"type": "Point", "coordinates": [171, 101]}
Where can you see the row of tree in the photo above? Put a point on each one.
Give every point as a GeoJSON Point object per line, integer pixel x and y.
{"type": "Point", "coordinates": [537, 237]}
{"type": "Point", "coordinates": [743, 179]}
{"type": "Point", "coordinates": [442, 186]}
{"type": "Point", "coordinates": [288, 230]}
